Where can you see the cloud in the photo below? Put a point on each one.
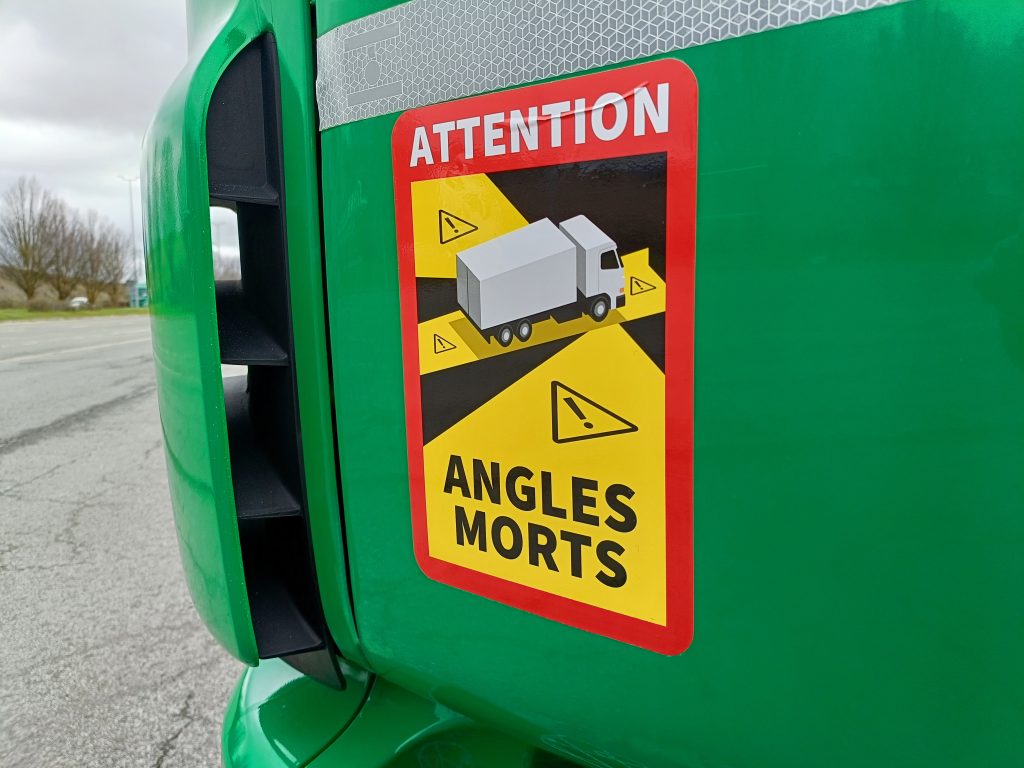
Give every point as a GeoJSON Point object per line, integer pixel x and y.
{"type": "Point", "coordinates": [79, 84]}
{"type": "Point", "coordinates": [102, 64]}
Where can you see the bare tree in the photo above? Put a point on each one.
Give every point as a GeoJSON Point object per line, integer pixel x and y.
{"type": "Point", "coordinates": [43, 240]}
{"type": "Point", "coordinates": [24, 257]}
{"type": "Point", "coordinates": [114, 247]}
{"type": "Point", "coordinates": [100, 251]}
{"type": "Point", "coordinates": [79, 247]}
{"type": "Point", "coordinates": [58, 227]}
{"type": "Point", "coordinates": [88, 260]}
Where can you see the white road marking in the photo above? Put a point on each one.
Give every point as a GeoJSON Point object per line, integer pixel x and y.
{"type": "Point", "coordinates": [12, 344]}
{"type": "Point", "coordinates": [22, 358]}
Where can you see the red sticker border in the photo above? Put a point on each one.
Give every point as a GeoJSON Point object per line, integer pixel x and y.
{"type": "Point", "coordinates": [680, 146]}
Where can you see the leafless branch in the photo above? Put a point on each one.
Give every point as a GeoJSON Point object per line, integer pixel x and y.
{"type": "Point", "coordinates": [24, 255]}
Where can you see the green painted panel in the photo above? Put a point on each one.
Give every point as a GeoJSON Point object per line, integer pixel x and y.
{"type": "Point", "coordinates": [859, 421]}
{"type": "Point", "coordinates": [180, 276]}
{"type": "Point", "coordinates": [180, 279]}
{"type": "Point", "coordinates": [278, 717]}
{"type": "Point", "coordinates": [333, 13]}
{"type": "Point", "coordinates": [396, 729]}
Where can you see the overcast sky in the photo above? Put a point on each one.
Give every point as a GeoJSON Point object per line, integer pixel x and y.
{"type": "Point", "coordinates": [79, 83]}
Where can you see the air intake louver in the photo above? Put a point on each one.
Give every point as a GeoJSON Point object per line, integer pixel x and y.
{"type": "Point", "coordinates": [243, 136]}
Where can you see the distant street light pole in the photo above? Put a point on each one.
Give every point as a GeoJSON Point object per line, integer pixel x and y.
{"type": "Point", "coordinates": [131, 218]}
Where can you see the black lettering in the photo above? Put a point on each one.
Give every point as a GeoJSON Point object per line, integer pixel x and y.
{"type": "Point", "coordinates": [484, 482]}
{"type": "Point", "coordinates": [512, 552]}
{"type": "Point", "coordinates": [580, 501]}
{"type": "Point", "coordinates": [613, 495]}
{"type": "Point", "coordinates": [524, 497]}
{"type": "Point", "coordinates": [475, 533]}
{"type": "Point", "coordinates": [617, 577]}
{"type": "Point", "coordinates": [545, 549]}
{"type": "Point", "coordinates": [547, 507]}
{"type": "Point", "coordinates": [456, 477]}
{"type": "Point", "coordinates": [576, 543]}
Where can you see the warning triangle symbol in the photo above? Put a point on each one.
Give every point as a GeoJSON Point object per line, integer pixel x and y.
{"type": "Point", "coordinates": [441, 344]}
{"type": "Point", "coordinates": [636, 285]}
{"type": "Point", "coordinates": [451, 227]}
{"type": "Point", "coordinates": [577, 417]}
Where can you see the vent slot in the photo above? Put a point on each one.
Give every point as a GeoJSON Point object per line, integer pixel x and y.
{"type": "Point", "coordinates": [287, 621]}
{"type": "Point", "coordinates": [244, 339]}
{"type": "Point", "coordinates": [260, 488]}
{"type": "Point", "coordinates": [240, 129]}
{"type": "Point", "coordinates": [254, 328]}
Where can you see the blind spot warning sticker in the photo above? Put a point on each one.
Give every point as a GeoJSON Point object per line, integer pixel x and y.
{"type": "Point", "coordinates": [546, 270]}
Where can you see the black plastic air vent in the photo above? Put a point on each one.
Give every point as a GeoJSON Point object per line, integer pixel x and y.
{"type": "Point", "coordinates": [244, 340]}
{"type": "Point", "coordinates": [243, 137]}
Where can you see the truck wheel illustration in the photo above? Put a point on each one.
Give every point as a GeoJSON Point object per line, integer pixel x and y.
{"type": "Point", "coordinates": [505, 335]}
{"type": "Point", "coordinates": [524, 330]}
{"type": "Point", "coordinates": [599, 308]}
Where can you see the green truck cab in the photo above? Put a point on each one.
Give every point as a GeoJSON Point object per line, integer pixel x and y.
{"type": "Point", "coordinates": [765, 508]}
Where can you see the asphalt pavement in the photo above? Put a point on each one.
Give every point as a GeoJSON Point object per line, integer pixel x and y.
{"type": "Point", "coordinates": [103, 661]}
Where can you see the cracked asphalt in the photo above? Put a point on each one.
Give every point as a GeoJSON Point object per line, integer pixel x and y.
{"type": "Point", "coordinates": [103, 661]}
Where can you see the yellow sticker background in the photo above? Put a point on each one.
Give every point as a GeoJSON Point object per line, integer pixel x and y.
{"type": "Point", "coordinates": [451, 339]}
{"type": "Point", "coordinates": [473, 198]}
{"type": "Point", "coordinates": [515, 428]}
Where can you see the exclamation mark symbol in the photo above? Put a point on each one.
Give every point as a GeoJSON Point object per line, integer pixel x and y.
{"type": "Point", "coordinates": [579, 414]}
{"type": "Point", "coordinates": [454, 228]}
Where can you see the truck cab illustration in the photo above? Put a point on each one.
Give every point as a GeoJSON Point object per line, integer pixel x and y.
{"type": "Point", "coordinates": [508, 283]}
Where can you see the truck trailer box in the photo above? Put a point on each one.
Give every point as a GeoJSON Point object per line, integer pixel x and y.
{"type": "Point", "coordinates": [517, 275]}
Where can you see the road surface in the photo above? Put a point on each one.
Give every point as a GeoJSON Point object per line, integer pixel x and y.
{"type": "Point", "coordinates": [103, 661]}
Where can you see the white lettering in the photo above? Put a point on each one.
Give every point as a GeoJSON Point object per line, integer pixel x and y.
{"type": "Point", "coordinates": [466, 125]}
{"type": "Point", "coordinates": [523, 130]}
{"type": "Point", "coordinates": [442, 130]}
{"type": "Point", "coordinates": [555, 112]}
{"type": "Point", "coordinates": [493, 133]}
{"type": "Point", "coordinates": [645, 107]}
{"type": "Point", "coordinates": [520, 130]}
{"type": "Point", "coordinates": [621, 116]}
{"type": "Point", "coordinates": [420, 148]}
{"type": "Point", "coordinates": [580, 113]}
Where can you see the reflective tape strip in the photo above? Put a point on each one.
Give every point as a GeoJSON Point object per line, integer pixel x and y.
{"type": "Point", "coordinates": [427, 51]}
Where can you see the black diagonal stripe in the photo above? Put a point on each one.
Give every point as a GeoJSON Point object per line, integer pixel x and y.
{"type": "Point", "coordinates": [649, 334]}
{"type": "Point", "coordinates": [624, 196]}
{"type": "Point", "coordinates": [435, 296]}
{"type": "Point", "coordinates": [450, 395]}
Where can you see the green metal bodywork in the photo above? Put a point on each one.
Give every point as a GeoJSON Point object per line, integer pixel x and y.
{"type": "Point", "coordinates": [279, 717]}
{"type": "Point", "coordinates": [859, 436]}
{"type": "Point", "coordinates": [179, 266]}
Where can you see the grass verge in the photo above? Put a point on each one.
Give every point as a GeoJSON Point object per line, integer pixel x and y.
{"type": "Point", "coordinates": [60, 314]}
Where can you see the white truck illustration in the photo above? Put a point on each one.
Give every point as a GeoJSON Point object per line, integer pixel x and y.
{"type": "Point", "coordinates": [507, 284]}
